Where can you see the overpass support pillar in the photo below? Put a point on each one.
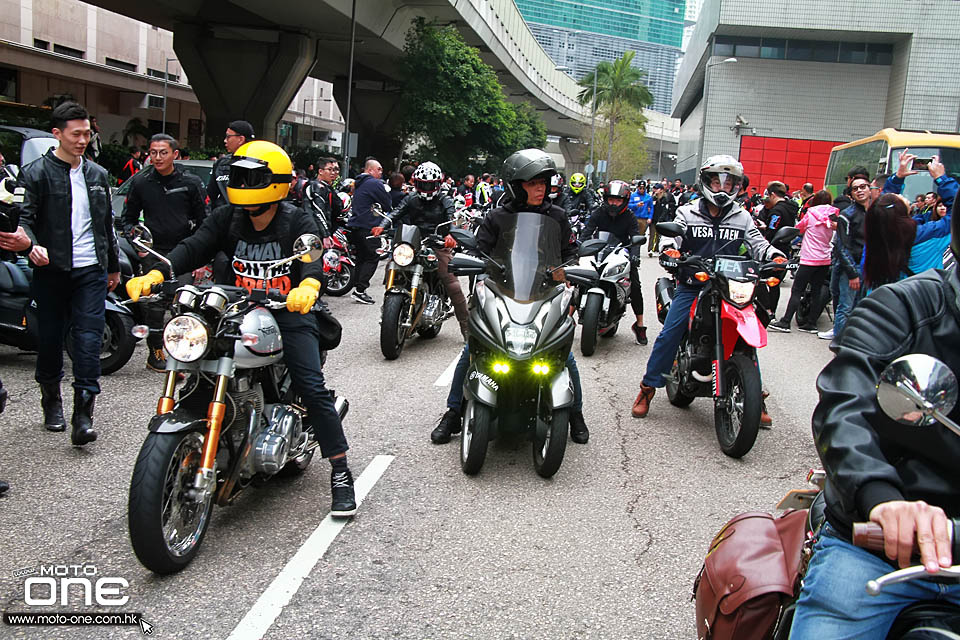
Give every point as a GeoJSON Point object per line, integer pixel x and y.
{"type": "Point", "coordinates": [573, 154]}
{"type": "Point", "coordinates": [243, 74]}
{"type": "Point", "coordinates": [373, 117]}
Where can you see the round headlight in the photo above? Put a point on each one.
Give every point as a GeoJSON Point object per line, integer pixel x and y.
{"type": "Point", "coordinates": [403, 254]}
{"type": "Point", "coordinates": [186, 338]}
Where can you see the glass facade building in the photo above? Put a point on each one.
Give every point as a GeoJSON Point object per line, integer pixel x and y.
{"type": "Point", "coordinates": [580, 34]}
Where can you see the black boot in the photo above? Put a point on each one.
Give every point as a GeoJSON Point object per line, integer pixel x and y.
{"type": "Point", "coordinates": [3, 487]}
{"type": "Point", "coordinates": [83, 417]}
{"type": "Point", "coordinates": [450, 423]}
{"type": "Point", "coordinates": [52, 405]}
{"type": "Point", "coordinates": [578, 428]}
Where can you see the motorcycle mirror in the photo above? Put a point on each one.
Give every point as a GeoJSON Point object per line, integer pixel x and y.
{"type": "Point", "coordinates": [442, 225]}
{"type": "Point", "coordinates": [669, 229]}
{"type": "Point", "coordinates": [917, 390]}
{"type": "Point", "coordinates": [784, 234]}
{"type": "Point", "coordinates": [591, 247]}
{"type": "Point", "coordinates": [308, 247]}
{"type": "Point", "coordinates": [464, 265]}
{"type": "Point", "coordinates": [465, 238]}
{"type": "Point", "coordinates": [140, 234]}
{"type": "Point", "coordinates": [638, 241]}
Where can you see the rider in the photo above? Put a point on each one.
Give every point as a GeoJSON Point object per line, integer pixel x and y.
{"type": "Point", "coordinates": [580, 200]}
{"type": "Point", "coordinates": [709, 224]}
{"type": "Point", "coordinates": [427, 209]}
{"type": "Point", "coordinates": [878, 470]}
{"type": "Point", "coordinates": [558, 193]}
{"type": "Point", "coordinates": [525, 176]}
{"type": "Point", "coordinates": [255, 228]}
{"type": "Point", "coordinates": [615, 217]}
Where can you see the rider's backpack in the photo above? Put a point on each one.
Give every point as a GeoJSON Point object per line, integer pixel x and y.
{"type": "Point", "coordinates": [751, 569]}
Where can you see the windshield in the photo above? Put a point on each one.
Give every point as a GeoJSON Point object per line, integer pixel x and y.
{"type": "Point", "coordinates": [528, 245]}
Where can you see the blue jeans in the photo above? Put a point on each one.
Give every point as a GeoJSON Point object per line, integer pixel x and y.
{"type": "Point", "coordinates": [674, 327]}
{"type": "Point", "coordinates": [846, 299]}
{"type": "Point", "coordinates": [834, 603]}
{"type": "Point", "coordinates": [72, 298]}
{"type": "Point", "coordinates": [455, 397]}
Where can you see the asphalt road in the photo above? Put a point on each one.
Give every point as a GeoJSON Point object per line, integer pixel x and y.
{"type": "Point", "coordinates": [608, 548]}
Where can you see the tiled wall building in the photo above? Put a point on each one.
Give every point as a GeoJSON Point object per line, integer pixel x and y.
{"type": "Point", "coordinates": [851, 69]}
{"type": "Point", "coordinates": [580, 34]}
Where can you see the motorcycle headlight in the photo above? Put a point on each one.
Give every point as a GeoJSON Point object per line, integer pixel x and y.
{"type": "Point", "coordinates": [186, 338]}
{"type": "Point", "coordinates": [520, 340]}
{"type": "Point", "coordinates": [741, 292]}
{"type": "Point", "coordinates": [614, 270]}
{"type": "Point", "coordinates": [403, 254]}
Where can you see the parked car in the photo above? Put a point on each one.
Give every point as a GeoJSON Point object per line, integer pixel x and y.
{"type": "Point", "coordinates": [22, 145]}
{"type": "Point", "coordinates": [200, 168]}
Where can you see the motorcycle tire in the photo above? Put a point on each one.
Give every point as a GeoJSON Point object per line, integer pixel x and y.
{"type": "Point", "coordinates": [475, 436]}
{"type": "Point", "coordinates": [392, 336]}
{"type": "Point", "coordinates": [167, 463]}
{"type": "Point", "coordinates": [591, 322]}
{"type": "Point", "coordinates": [674, 394]}
{"type": "Point", "coordinates": [548, 450]}
{"type": "Point", "coordinates": [738, 425]}
{"type": "Point", "coordinates": [118, 343]}
{"type": "Point", "coordinates": [340, 284]}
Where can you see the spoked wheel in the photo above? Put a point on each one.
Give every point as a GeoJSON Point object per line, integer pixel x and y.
{"type": "Point", "coordinates": [340, 282]}
{"type": "Point", "coordinates": [166, 522]}
{"type": "Point", "coordinates": [674, 394]}
{"type": "Point", "coordinates": [392, 334]}
{"type": "Point", "coordinates": [475, 436]}
{"type": "Point", "coordinates": [737, 425]}
{"type": "Point", "coordinates": [550, 442]}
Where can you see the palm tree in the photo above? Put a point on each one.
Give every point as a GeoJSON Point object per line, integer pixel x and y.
{"type": "Point", "coordinates": [620, 88]}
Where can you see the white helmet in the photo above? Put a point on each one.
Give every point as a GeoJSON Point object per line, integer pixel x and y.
{"type": "Point", "coordinates": [345, 201]}
{"type": "Point", "coordinates": [426, 180]}
{"type": "Point", "coordinates": [730, 173]}
{"type": "Point", "coordinates": [556, 184]}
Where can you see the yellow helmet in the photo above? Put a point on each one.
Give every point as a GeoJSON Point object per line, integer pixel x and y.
{"type": "Point", "coordinates": [577, 182]}
{"type": "Point", "coordinates": [260, 174]}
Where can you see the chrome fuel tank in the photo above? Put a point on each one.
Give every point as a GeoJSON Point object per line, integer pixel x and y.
{"type": "Point", "coordinates": [269, 346]}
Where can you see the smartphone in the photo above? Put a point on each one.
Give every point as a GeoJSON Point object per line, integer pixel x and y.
{"type": "Point", "coordinates": [920, 164]}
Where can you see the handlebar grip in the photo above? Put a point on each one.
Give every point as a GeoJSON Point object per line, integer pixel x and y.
{"type": "Point", "coordinates": [868, 535]}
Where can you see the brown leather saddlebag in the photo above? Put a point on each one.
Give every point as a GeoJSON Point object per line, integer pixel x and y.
{"type": "Point", "coordinates": [750, 570]}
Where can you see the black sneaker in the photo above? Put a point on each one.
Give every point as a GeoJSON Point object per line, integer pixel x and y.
{"type": "Point", "coordinates": [344, 499]}
{"type": "Point", "coordinates": [780, 325]}
{"type": "Point", "coordinates": [449, 424]}
{"type": "Point", "coordinates": [809, 328]}
{"type": "Point", "coordinates": [157, 361]}
{"type": "Point", "coordinates": [639, 333]}
{"type": "Point", "coordinates": [361, 296]}
{"type": "Point", "coordinates": [578, 428]}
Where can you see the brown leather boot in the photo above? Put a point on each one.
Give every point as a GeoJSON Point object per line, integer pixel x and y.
{"type": "Point", "coordinates": [642, 404]}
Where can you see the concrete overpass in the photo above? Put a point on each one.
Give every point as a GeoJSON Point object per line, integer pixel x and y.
{"type": "Point", "coordinates": [248, 58]}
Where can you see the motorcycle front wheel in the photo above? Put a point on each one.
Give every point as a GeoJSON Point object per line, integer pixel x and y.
{"type": "Point", "coordinates": [475, 436]}
{"type": "Point", "coordinates": [166, 523]}
{"type": "Point", "coordinates": [549, 446]}
{"type": "Point", "coordinates": [392, 333]}
{"type": "Point", "coordinates": [340, 282]}
{"type": "Point", "coordinates": [737, 425]}
{"type": "Point", "coordinates": [591, 322]}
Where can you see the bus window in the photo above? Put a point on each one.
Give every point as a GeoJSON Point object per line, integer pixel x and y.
{"type": "Point", "coordinates": [921, 182]}
{"type": "Point", "coordinates": [871, 155]}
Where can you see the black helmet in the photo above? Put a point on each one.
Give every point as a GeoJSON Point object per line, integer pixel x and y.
{"type": "Point", "coordinates": [616, 189]}
{"type": "Point", "coordinates": [524, 166]}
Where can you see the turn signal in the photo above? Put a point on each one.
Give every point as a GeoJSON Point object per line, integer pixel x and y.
{"type": "Point", "coordinates": [673, 253]}
{"type": "Point", "coordinates": [249, 339]}
{"type": "Point", "coordinates": [772, 282]}
{"type": "Point", "coordinates": [701, 276]}
{"type": "Point", "coordinates": [140, 331]}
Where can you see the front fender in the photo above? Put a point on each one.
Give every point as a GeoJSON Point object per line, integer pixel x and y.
{"type": "Point", "coordinates": [561, 390]}
{"type": "Point", "coordinates": [743, 323]}
{"type": "Point", "coordinates": [481, 387]}
{"type": "Point", "coordinates": [112, 303]}
{"type": "Point", "coordinates": [177, 422]}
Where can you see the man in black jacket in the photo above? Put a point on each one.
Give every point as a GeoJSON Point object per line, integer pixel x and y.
{"type": "Point", "coordinates": [172, 204]}
{"type": "Point", "coordinates": [67, 227]}
{"type": "Point", "coordinates": [368, 191]}
{"type": "Point", "coordinates": [526, 174]}
{"type": "Point", "coordinates": [259, 231]}
{"type": "Point", "coordinates": [779, 211]}
{"type": "Point", "coordinates": [239, 132]}
{"type": "Point", "coordinates": [901, 477]}
{"type": "Point", "coordinates": [322, 199]}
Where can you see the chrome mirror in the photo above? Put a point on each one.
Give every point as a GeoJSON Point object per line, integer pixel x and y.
{"type": "Point", "coordinates": [308, 247]}
{"type": "Point", "coordinates": [140, 234]}
{"type": "Point", "coordinates": [918, 390]}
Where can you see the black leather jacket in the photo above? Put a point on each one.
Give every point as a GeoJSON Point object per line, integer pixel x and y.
{"type": "Point", "coordinates": [489, 230]}
{"type": "Point", "coordinates": [869, 458]}
{"type": "Point", "coordinates": [587, 199]}
{"type": "Point", "coordinates": [426, 214]}
{"type": "Point", "coordinates": [173, 206]}
{"type": "Point", "coordinates": [47, 210]}
{"type": "Point", "coordinates": [217, 186]}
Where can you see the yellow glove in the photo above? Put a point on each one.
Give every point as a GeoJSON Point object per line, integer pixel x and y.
{"type": "Point", "coordinates": [302, 298]}
{"type": "Point", "coordinates": [140, 286]}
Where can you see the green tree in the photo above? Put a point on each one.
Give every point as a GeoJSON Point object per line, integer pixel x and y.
{"type": "Point", "coordinates": [452, 101]}
{"type": "Point", "coordinates": [629, 151]}
{"type": "Point", "coordinates": [621, 93]}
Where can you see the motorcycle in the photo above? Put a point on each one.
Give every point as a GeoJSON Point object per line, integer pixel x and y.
{"type": "Point", "coordinates": [519, 338]}
{"type": "Point", "coordinates": [236, 421]}
{"type": "Point", "coordinates": [339, 265]}
{"type": "Point", "coordinates": [605, 300]}
{"type": "Point", "coordinates": [415, 299]}
{"type": "Point", "coordinates": [717, 355]}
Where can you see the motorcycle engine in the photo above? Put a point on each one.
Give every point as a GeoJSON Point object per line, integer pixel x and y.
{"type": "Point", "coordinates": [433, 311]}
{"type": "Point", "coordinates": [272, 445]}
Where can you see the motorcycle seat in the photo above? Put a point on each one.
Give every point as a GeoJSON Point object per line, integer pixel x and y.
{"type": "Point", "coordinates": [12, 279]}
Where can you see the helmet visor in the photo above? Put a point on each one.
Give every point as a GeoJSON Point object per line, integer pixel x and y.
{"type": "Point", "coordinates": [427, 187]}
{"type": "Point", "coordinates": [250, 173]}
{"type": "Point", "coordinates": [718, 182]}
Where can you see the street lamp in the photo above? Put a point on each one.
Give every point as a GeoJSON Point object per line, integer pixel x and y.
{"type": "Point", "coordinates": [166, 78]}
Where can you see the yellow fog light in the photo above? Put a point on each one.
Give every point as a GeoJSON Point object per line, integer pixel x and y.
{"type": "Point", "coordinates": [541, 368]}
{"type": "Point", "coordinates": [501, 367]}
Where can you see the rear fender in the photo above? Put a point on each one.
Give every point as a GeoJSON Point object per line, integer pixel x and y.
{"type": "Point", "coordinates": [742, 323]}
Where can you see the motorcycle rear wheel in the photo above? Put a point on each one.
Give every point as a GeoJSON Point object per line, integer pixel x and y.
{"type": "Point", "coordinates": [737, 425]}
{"type": "Point", "coordinates": [166, 525]}
{"type": "Point", "coordinates": [548, 451]}
{"type": "Point", "coordinates": [475, 436]}
{"type": "Point", "coordinates": [392, 334]}
{"type": "Point", "coordinates": [591, 322]}
{"type": "Point", "coordinates": [340, 282]}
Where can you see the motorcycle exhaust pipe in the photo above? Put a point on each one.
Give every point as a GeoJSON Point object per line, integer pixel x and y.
{"type": "Point", "coordinates": [664, 290]}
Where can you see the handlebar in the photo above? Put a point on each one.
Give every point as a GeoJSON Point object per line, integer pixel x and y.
{"type": "Point", "coordinates": [869, 535]}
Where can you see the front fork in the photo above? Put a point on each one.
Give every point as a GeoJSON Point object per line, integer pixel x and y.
{"type": "Point", "coordinates": [414, 285]}
{"type": "Point", "coordinates": [719, 398]}
{"type": "Point", "coordinates": [206, 478]}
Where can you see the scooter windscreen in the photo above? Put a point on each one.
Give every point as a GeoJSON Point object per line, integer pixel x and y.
{"type": "Point", "coordinates": [528, 246]}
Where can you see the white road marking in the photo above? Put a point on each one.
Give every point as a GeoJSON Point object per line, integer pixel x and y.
{"type": "Point", "coordinates": [447, 376]}
{"type": "Point", "coordinates": [278, 595]}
